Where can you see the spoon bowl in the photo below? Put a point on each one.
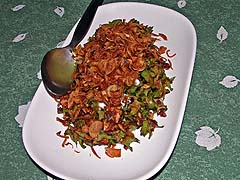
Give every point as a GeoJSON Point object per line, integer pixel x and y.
{"type": "Point", "coordinates": [58, 64]}
{"type": "Point", "coordinates": [57, 69]}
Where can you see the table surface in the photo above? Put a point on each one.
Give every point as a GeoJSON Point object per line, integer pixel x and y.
{"type": "Point", "coordinates": [210, 103]}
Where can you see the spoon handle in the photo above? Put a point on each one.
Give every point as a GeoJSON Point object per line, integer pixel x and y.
{"type": "Point", "coordinates": [85, 22]}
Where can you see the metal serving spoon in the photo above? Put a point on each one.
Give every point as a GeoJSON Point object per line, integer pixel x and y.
{"type": "Point", "coordinates": [58, 64]}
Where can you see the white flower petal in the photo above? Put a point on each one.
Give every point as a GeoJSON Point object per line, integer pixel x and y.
{"type": "Point", "coordinates": [19, 37]}
{"type": "Point", "coordinates": [22, 111]}
{"type": "Point", "coordinates": [222, 34]}
{"type": "Point", "coordinates": [214, 142]}
{"type": "Point", "coordinates": [181, 3]}
{"type": "Point", "coordinates": [205, 131]}
{"type": "Point", "coordinates": [208, 138]}
{"type": "Point", "coordinates": [203, 134]}
{"type": "Point", "coordinates": [59, 11]}
{"type": "Point", "coordinates": [18, 7]}
{"type": "Point", "coordinates": [229, 81]}
{"type": "Point", "coordinates": [201, 141]}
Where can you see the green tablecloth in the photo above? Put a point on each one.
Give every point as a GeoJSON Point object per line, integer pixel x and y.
{"type": "Point", "coordinates": [210, 103]}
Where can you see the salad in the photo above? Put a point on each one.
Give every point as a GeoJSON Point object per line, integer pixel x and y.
{"type": "Point", "coordinates": [119, 84]}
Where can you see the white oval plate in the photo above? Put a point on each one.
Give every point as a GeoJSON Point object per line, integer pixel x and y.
{"type": "Point", "coordinates": [148, 157]}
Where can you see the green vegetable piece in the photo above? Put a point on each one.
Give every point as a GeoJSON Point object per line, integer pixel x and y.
{"type": "Point", "coordinates": [64, 110]}
{"type": "Point", "coordinates": [145, 112]}
{"type": "Point", "coordinates": [156, 94]}
{"type": "Point", "coordinates": [89, 143]}
{"type": "Point", "coordinates": [75, 108]}
{"type": "Point", "coordinates": [80, 141]}
{"type": "Point", "coordinates": [138, 93]}
{"type": "Point", "coordinates": [144, 128]}
{"type": "Point", "coordinates": [115, 22]}
{"type": "Point", "coordinates": [128, 140]}
{"type": "Point", "coordinates": [72, 136]}
{"type": "Point", "coordinates": [146, 91]}
{"type": "Point", "coordinates": [152, 105]}
{"type": "Point", "coordinates": [150, 61]}
{"type": "Point", "coordinates": [154, 71]}
{"type": "Point", "coordinates": [134, 21]}
{"type": "Point", "coordinates": [79, 123]}
{"type": "Point", "coordinates": [132, 90]}
{"type": "Point", "coordinates": [94, 104]}
{"type": "Point", "coordinates": [149, 29]}
{"type": "Point", "coordinates": [101, 114]}
{"type": "Point", "coordinates": [133, 111]}
{"type": "Point", "coordinates": [146, 75]}
{"type": "Point", "coordinates": [169, 83]}
{"type": "Point", "coordinates": [124, 108]}
{"type": "Point", "coordinates": [119, 136]}
{"type": "Point", "coordinates": [102, 136]}
{"type": "Point", "coordinates": [132, 128]}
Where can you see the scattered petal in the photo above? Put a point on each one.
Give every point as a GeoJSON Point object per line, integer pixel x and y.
{"type": "Point", "coordinates": [39, 75]}
{"type": "Point", "coordinates": [18, 7]}
{"type": "Point", "coordinates": [60, 44]}
{"type": "Point", "coordinates": [181, 3]}
{"type": "Point", "coordinates": [22, 111]}
{"type": "Point", "coordinates": [59, 11]}
{"type": "Point", "coordinates": [229, 81]}
{"type": "Point", "coordinates": [207, 137]}
{"type": "Point", "coordinates": [222, 34]}
{"type": "Point", "coordinates": [19, 37]}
